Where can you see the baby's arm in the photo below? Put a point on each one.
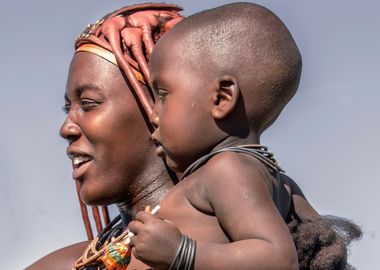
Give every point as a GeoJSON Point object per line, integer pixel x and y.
{"type": "Point", "coordinates": [242, 202]}
{"type": "Point", "coordinates": [236, 189]}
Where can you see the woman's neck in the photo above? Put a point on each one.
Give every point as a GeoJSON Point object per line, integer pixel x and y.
{"type": "Point", "coordinates": [152, 186]}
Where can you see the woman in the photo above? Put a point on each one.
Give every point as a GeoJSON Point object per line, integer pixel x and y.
{"type": "Point", "coordinates": [107, 128]}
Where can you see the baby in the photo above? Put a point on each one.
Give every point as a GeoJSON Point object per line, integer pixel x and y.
{"type": "Point", "coordinates": [221, 77]}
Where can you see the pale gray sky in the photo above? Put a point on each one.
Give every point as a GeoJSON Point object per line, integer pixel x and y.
{"type": "Point", "coordinates": [326, 139]}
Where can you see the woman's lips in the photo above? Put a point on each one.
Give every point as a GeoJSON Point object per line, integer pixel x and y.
{"type": "Point", "coordinates": [80, 163]}
{"type": "Point", "coordinates": [80, 169]}
{"type": "Point", "coordinates": [78, 160]}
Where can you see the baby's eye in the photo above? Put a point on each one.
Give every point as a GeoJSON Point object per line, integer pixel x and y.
{"type": "Point", "coordinates": [88, 104]}
{"type": "Point", "coordinates": [162, 94]}
{"type": "Point", "coordinates": [66, 108]}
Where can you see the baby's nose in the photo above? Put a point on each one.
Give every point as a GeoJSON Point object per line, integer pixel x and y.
{"type": "Point", "coordinates": [154, 119]}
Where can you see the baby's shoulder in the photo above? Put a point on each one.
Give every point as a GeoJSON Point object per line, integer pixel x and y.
{"type": "Point", "coordinates": [232, 167]}
{"type": "Point", "coordinates": [235, 163]}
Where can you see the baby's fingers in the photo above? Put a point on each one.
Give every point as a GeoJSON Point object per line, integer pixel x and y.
{"type": "Point", "coordinates": [135, 226]}
{"type": "Point", "coordinates": [144, 217]}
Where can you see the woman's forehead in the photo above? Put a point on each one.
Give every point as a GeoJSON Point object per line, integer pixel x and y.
{"type": "Point", "coordinates": [92, 63]}
{"type": "Point", "coordinates": [90, 72]}
{"type": "Point", "coordinates": [86, 68]}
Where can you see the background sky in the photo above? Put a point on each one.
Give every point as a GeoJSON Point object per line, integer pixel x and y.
{"type": "Point", "coordinates": [326, 138]}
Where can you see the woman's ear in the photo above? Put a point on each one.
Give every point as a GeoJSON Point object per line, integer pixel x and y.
{"type": "Point", "coordinates": [226, 93]}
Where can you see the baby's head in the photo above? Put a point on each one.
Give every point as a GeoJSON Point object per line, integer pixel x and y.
{"type": "Point", "coordinates": [237, 65]}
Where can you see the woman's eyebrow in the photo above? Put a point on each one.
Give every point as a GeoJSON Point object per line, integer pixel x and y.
{"type": "Point", "coordinates": [86, 86]}
{"type": "Point", "coordinates": [81, 88]}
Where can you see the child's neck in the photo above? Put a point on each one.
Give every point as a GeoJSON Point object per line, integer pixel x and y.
{"type": "Point", "coordinates": [229, 141]}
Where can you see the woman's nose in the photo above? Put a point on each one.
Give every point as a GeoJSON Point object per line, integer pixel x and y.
{"type": "Point", "coordinates": [69, 130]}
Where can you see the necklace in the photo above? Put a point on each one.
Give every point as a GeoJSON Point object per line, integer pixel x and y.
{"type": "Point", "coordinates": [109, 250]}
{"type": "Point", "coordinates": [257, 150]}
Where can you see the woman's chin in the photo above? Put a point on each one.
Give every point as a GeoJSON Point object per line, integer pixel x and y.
{"type": "Point", "coordinates": [93, 197]}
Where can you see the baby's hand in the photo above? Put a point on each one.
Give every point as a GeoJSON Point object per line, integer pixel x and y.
{"type": "Point", "coordinates": [155, 241]}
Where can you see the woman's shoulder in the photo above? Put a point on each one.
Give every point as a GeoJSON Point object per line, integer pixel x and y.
{"type": "Point", "coordinates": [61, 259]}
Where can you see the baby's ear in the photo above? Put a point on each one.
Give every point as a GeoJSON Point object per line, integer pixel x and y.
{"type": "Point", "coordinates": [226, 93]}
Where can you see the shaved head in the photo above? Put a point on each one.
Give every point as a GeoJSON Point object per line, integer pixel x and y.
{"type": "Point", "coordinates": [246, 41]}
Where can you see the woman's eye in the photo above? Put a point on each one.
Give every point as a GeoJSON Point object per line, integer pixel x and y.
{"type": "Point", "coordinates": [88, 104]}
{"type": "Point", "coordinates": [66, 108]}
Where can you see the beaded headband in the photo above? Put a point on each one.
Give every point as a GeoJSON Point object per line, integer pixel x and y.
{"type": "Point", "coordinates": [107, 55]}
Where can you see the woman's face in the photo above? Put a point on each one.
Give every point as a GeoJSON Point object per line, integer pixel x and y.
{"type": "Point", "coordinates": [108, 138]}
